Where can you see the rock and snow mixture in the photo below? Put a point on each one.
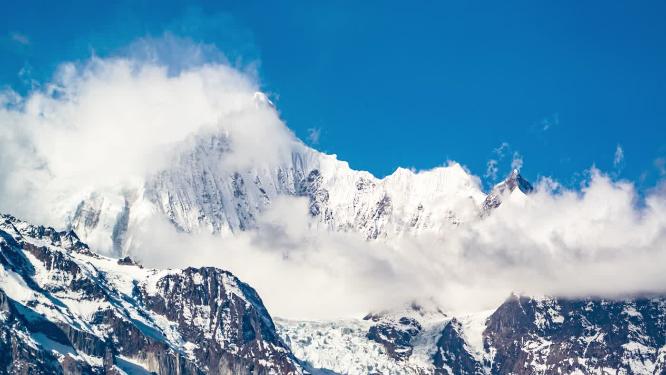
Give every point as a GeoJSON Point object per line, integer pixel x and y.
{"type": "Point", "coordinates": [525, 335]}
{"type": "Point", "coordinates": [66, 309]}
{"type": "Point", "coordinates": [199, 193]}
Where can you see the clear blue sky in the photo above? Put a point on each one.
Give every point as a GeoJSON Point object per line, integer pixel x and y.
{"type": "Point", "coordinates": [387, 84]}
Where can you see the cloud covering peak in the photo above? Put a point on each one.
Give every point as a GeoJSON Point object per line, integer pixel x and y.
{"type": "Point", "coordinates": [107, 124]}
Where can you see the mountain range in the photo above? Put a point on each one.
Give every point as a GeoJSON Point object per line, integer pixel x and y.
{"type": "Point", "coordinates": [79, 301]}
{"type": "Point", "coordinates": [198, 193]}
{"type": "Point", "coordinates": [67, 310]}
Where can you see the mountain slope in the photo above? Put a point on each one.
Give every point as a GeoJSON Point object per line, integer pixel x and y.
{"type": "Point", "coordinates": [524, 335]}
{"type": "Point", "coordinates": [544, 335]}
{"type": "Point", "coordinates": [201, 192]}
{"type": "Point", "coordinates": [514, 186]}
{"type": "Point", "coordinates": [67, 310]}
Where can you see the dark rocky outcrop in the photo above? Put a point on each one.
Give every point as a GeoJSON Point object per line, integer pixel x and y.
{"type": "Point", "coordinates": [200, 301]}
{"type": "Point", "coordinates": [543, 335]}
{"type": "Point", "coordinates": [395, 336]}
{"type": "Point", "coordinates": [452, 355]}
{"type": "Point", "coordinates": [512, 182]}
{"type": "Point", "coordinates": [194, 321]}
{"type": "Point", "coordinates": [310, 187]}
{"type": "Point", "coordinates": [17, 356]}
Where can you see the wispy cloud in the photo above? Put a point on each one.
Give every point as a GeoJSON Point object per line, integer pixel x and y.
{"type": "Point", "coordinates": [19, 38]}
{"type": "Point", "coordinates": [501, 150]}
{"type": "Point", "coordinates": [491, 169]}
{"type": "Point", "coordinates": [618, 158]}
{"type": "Point", "coordinates": [500, 154]}
{"type": "Point", "coordinates": [550, 121]}
{"type": "Point", "coordinates": [660, 164]}
{"type": "Point", "coordinates": [517, 161]}
{"type": "Point", "coordinates": [314, 135]}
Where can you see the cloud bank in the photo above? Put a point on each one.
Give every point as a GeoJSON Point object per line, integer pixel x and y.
{"type": "Point", "coordinates": [107, 123]}
{"type": "Point", "coordinates": [592, 242]}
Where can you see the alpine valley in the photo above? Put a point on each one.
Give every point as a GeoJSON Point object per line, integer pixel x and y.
{"type": "Point", "coordinates": [77, 300]}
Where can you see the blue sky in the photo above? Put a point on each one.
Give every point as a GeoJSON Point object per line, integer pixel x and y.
{"type": "Point", "coordinates": [384, 84]}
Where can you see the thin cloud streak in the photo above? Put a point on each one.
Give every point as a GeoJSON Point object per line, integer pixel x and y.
{"type": "Point", "coordinates": [20, 38]}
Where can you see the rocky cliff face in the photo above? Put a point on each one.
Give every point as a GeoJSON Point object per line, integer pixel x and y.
{"type": "Point", "coordinates": [524, 335]}
{"type": "Point", "coordinates": [513, 184]}
{"type": "Point", "coordinates": [66, 310]}
{"type": "Point", "coordinates": [548, 336]}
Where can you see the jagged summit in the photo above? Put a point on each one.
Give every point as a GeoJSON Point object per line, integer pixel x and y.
{"type": "Point", "coordinates": [199, 192]}
{"type": "Point", "coordinates": [515, 179]}
{"type": "Point", "coordinates": [507, 187]}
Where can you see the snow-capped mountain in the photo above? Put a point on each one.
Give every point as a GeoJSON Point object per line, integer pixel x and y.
{"type": "Point", "coordinates": [67, 310]}
{"type": "Point", "coordinates": [199, 192]}
{"type": "Point", "coordinates": [524, 335]}
{"type": "Point", "coordinates": [514, 186]}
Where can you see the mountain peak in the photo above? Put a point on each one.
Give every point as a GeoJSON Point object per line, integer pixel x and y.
{"type": "Point", "coordinates": [261, 100]}
{"type": "Point", "coordinates": [513, 180]}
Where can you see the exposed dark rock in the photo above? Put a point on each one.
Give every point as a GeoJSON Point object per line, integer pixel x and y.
{"type": "Point", "coordinates": [512, 182]}
{"type": "Point", "coordinates": [310, 187]}
{"type": "Point", "coordinates": [531, 335]}
{"type": "Point", "coordinates": [200, 302]}
{"type": "Point", "coordinates": [128, 261]}
{"type": "Point", "coordinates": [395, 336]}
{"type": "Point", "coordinates": [452, 356]}
{"type": "Point", "coordinates": [223, 321]}
{"type": "Point", "coordinates": [120, 228]}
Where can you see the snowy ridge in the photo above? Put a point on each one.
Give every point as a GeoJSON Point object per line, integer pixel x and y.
{"type": "Point", "coordinates": [203, 191]}
{"type": "Point", "coordinates": [72, 307]}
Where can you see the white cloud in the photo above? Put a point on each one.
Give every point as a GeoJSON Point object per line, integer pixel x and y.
{"type": "Point", "coordinates": [313, 135]}
{"type": "Point", "coordinates": [20, 38]}
{"type": "Point", "coordinates": [618, 157]}
{"type": "Point", "coordinates": [502, 149]}
{"type": "Point", "coordinates": [109, 122]}
{"type": "Point", "coordinates": [517, 161]}
{"type": "Point", "coordinates": [491, 170]}
{"type": "Point", "coordinates": [560, 242]}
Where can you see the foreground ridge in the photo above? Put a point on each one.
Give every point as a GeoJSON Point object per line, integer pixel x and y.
{"type": "Point", "coordinates": [524, 335]}
{"type": "Point", "coordinates": [67, 310]}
